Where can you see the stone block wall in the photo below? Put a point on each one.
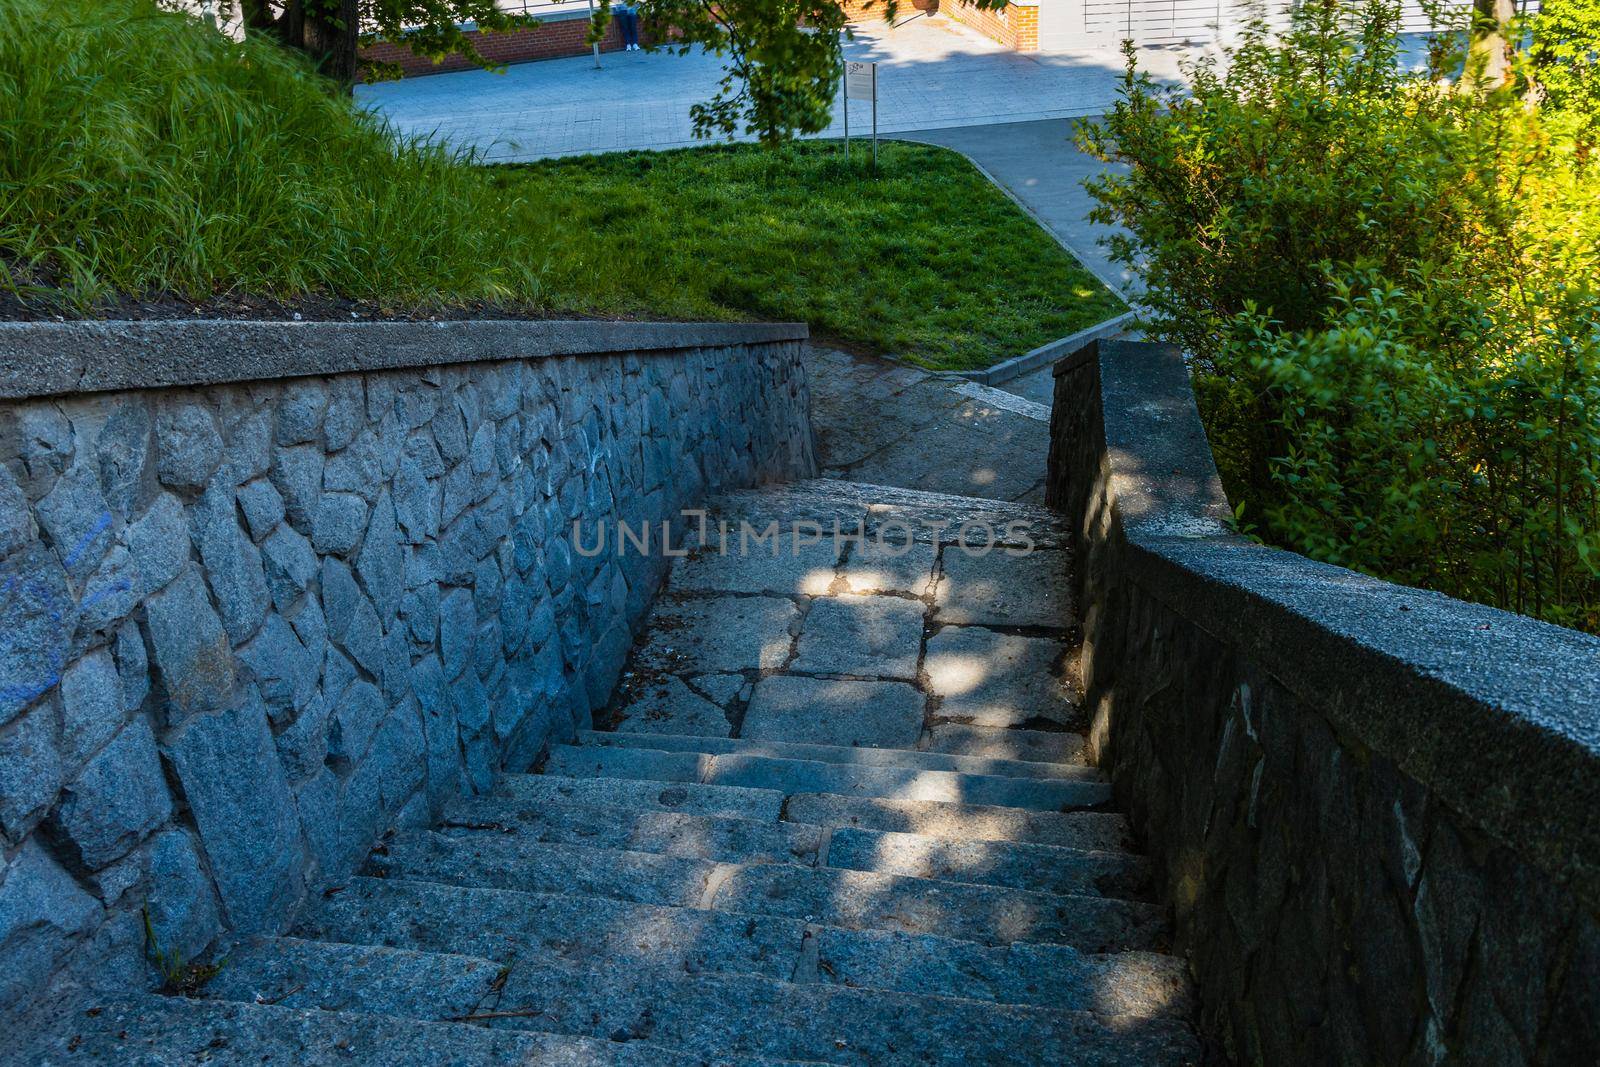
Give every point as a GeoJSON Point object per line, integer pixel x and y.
{"type": "Point", "coordinates": [1372, 807]}
{"type": "Point", "coordinates": [252, 624]}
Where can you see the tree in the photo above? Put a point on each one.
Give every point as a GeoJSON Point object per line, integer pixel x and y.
{"type": "Point", "coordinates": [1566, 56]}
{"type": "Point", "coordinates": [1489, 54]}
{"type": "Point", "coordinates": [784, 58]}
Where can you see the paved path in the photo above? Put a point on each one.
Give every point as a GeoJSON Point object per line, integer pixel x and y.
{"type": "Point", "coordinates": [933, 74]}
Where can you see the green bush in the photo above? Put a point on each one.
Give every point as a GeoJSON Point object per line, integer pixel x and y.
{"type": "Point", "coordinates": [1388, 290]}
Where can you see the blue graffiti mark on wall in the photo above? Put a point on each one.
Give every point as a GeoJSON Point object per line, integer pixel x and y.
{"type": "Point", "coordinates": [24, 595]}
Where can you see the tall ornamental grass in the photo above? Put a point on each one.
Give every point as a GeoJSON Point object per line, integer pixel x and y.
{"type": "Point", "coordinates": [1389, 289]}
{"type": "Point", "coordinates": [140, 154]}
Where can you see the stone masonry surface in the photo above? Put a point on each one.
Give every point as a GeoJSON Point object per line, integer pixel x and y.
{"type": "Point", "coordinates": [1372, 808]}
{"type": "Point", "coordinates": [796, 845]}
{"type": "Point", "coordinates": [250, 626]}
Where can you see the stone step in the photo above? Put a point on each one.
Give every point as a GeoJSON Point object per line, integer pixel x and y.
{"type": "Point", "coordinates": [990, 915]}
{"type": "Point", "coordinates": [1039, 868]}
{"type": "Point", "coordinates": [556, 929]}
{"type": "Point", "coordinates": [1003, 743]}
{"type": "Point", "coordinates": [811, 776]}
{"type": "Point", "coordinates": [642, 795]}
{"type": "Point", "coordinates": [1093, 830]}
{"type": "Point", "coordinates": [909, 759]}
{"type": "Point", "coordinates": [740, 1018]}
{"type": "Point", "coordinates": [825, 500]}
{"type": "Point", "coordinates": [1042, 868]}
{"type": "Point", "coordinates": [157, 1031]}
{"type": "Point", "coordinates": [852, 899]}
{"type": "Point", "coordinates": [675, 833]}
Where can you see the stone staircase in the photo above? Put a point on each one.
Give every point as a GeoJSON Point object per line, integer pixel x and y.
{"type": "Point", "coordinates": [841, 817]}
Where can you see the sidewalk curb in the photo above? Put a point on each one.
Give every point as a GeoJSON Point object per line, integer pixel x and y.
{"type": "Point", "coordinates": [1045, 354]}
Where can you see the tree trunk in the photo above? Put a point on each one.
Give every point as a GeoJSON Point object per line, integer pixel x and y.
{"type": "Point", "coordinates": [331, 31]}
{"type": "Point", "coordinates": [326, 30]}
{"type": "Point", "coordinates": [1489, 55]}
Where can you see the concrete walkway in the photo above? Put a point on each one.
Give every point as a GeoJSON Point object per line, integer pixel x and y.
{"type": "Point", "coordinates": [932, 74]}
{"type": "Point", "coordinates": [885, 423]}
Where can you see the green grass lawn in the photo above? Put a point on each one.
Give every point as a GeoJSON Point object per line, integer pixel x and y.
{"type": "Point", "coordinates": [927, 261]}
{"type": "Point", "coordinates": [143, 156]}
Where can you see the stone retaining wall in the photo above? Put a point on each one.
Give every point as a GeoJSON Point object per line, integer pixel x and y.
{"type": "Point", "coordinates": [1374, 808]}
{"type": "Point", "coordinates": [257, 617]}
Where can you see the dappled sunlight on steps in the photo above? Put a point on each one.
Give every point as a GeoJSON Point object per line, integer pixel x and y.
{"type": "Point", "coordinates": [964, 892]}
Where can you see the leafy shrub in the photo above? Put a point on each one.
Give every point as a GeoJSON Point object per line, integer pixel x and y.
{"type": "Point", "coordinates": [1565, 50]}
{"type": "Point", "coordinates": [1387, 288]}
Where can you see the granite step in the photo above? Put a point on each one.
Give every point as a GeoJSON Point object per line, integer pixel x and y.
{"type": "Point", "coordinates": [812, 776]}
{"type": "Point", "coordinates": [910, 759]}
{"type": "Point", "coordinates": [157, 1031]}
{"type": "Point", "coordinates": [641, 795]}
{"type": "Point", "coordinates": [740, 1018]}
{"type": "Point", "coordinates": [851, 899]}
{"type": "Point", "coordinates": [1043, 868]}
{"type": "Point", "coordinates": [673, 833]}
{"type": "Point", "coordinates": [1093, 830]}
{"type": "Point", "coordinates": [1002, 743]}
{"type": "Point", "coordinates": [1039, 868]}
{"type": "Point", "coordinates": [826, 500]}
{"type": "Point", "coordinates": [561, 930]}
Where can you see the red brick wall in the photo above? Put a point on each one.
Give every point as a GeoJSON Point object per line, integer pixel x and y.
{"type": "Point", "coordinates": [859, 11]}
{"type": "Point", "coordinates": [549, 40]}
{"type": "Point", "coordinates": [1017, 27]}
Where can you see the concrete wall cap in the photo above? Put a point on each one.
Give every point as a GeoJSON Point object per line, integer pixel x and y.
{"type": "Point", "coordinates": [40, 359]}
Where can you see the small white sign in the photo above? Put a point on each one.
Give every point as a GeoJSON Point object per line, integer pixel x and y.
{"type": "Point", "coordinates": [860, 81]}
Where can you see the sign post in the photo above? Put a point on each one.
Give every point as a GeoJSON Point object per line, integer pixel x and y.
{"type": "Point", "coordinates": [861, 83]}
{"type": "Point", "coordinates": [596, 45]}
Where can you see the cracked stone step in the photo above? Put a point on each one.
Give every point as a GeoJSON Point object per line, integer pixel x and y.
{"type": "Point", "coordinates": [1002, 743]}
{"type": "Point", "coordinates": [556, 929]}
{"type": "Point", "coordinates": [812, 776]}
{"type": "Point", "coordinates": [642, 794]}
{"type": "Point", "coordinates": [910, 759]}
{"type": "Point", "coordinates": [712, 837]}
{"type": "Point", "coordinates": [1038, 868]}
{"type": "Point", "coordinates": [157, 1031]}
{"type": "Point", "coordinates": [852, 899]}
{"type": "Point", "coordinates": [1093, 830]}
{"type": "Point", "coordinates": [740, 1018]}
